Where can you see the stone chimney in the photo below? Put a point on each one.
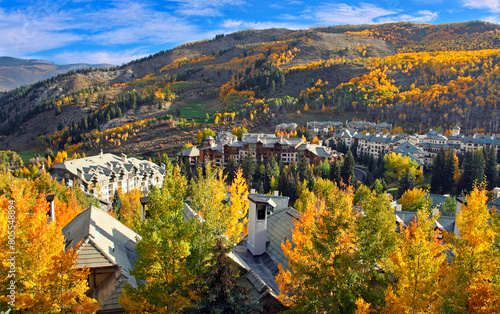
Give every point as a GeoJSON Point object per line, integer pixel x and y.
{"type": "Point", "coordinates": [52, 212]}
{"type": "Point", "coordinates": [257, 224]}
{"type": "Point", "coordinates": [144, 200]}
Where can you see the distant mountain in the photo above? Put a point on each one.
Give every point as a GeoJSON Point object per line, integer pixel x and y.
{"type": "Point", "coordinates": [16, 72]}
{"type": "Point", "coordinates": [417, 76]}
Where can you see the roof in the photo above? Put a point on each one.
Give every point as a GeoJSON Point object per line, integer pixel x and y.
{"type": "Point", "coordinates": [406, 148]}
{"type": "Point", "coordinates": [456, 127]}
{"type": "Point", "coordinates": [103, 242]}
{"type": "Point", "coordinates": [345, 133]}
{"type": "Point", "coordinates": [433, 135]}
{"type": "Point", "coordinates": [483, 139]}
{"type": "Point", "coordinates": [443, 222]}
{"type": "Point", "coordinates": [280, 202]}
{"type": "Point", "coordinates": [190, 152]}
{"type": "Point", "coordinates": [102, 166]}
{"type": "Point", "coordinates": [380, 138]}
{"type": "Point", "coordinates": [265, 266]}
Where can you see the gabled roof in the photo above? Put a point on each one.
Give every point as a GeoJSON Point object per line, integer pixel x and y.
{"type": "Point", "coordinates": [100, 165]}
{"type": "Point", "coordinates": [190, 152]}
{"type": "Point", "coordinates": [408, 148]}
{"type": "Point", "coordinates": [104, 241]}
{"type": "Point", "coordinates": [345, 133]}
{"type": "Point", "coordinates": [380, 138]}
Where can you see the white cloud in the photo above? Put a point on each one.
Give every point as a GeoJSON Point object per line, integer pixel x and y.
{"type": "Point", "coordinates": [342, 13]}
{"type": "Point", "coordinates": [489, 5]}
{"type": "Point", "coordinates": [97, 57]}
{"type": "Point", "coordinates": [235, 25]}
{"type": "Point", "coordinates": [492, 19]}
{"type": "Point", "coordinates": [204, 7]}
{"type": "Point", "coordinates": [35, 29]}
{"type": "Point", "coordinates": [422, 16]}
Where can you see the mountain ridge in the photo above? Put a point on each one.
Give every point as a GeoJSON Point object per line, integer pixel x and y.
{"type": "Point", "coordinates": [16, 72]}
{"type": "Point", "coordinates": [262, 76]}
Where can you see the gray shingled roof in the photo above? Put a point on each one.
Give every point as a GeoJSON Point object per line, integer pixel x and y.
{"type": "Point", "coordinates": [190, 152]}
{"type": "Point", "coordinates": [380, 138]}
{"type": "Point", "coordinates": [408, 148]}
{"type": "Point", "coordinates": [104, 242]}
{"type": "Point", "coordinates": [99, 165]}
{"type": "Point", "coordinates": [265, 266]}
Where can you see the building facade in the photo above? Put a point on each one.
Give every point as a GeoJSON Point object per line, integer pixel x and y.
{"type": "Point", "coordinates": [262, 147]}
{"type": "Point", "coordinates": [103, 174]}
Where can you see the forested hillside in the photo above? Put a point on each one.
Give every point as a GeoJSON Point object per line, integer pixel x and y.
{"type": "Point", "coordinates": [418, 76]}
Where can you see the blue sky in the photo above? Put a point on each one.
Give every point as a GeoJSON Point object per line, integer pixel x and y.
{"type": "Point", "coordinates": [119, 31]}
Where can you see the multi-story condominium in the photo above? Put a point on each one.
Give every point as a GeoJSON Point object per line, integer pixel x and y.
{"type": "Point", "coordinates": [323, 128]}
{"type": "Point", "coordinates": [378, 144]}
{"type": "Point", "coordinates": [345, 137]}
{"type": "Point", "coordinates": [262, 147]}
{"type": "Point", "coordinates": [366, 125]}
{"type": "Point", "coordinates": [286, 127]}
{"type": "Point", "coordinates": [103, 174]}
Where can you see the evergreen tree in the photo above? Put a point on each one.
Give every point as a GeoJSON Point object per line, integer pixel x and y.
{"type": "Point", "coordinates": [249, 166]}
{"type": "Point", "coordinates": [117, 204]}
{"type": "Point", "coordinates": [406, 182]}
{"type": "Point", "coordinates": [438, 172]}
{"type": "Point", "coordinates": [451, 172]}
{"type": "Point", "coordinates": [335, 171]}
{"type": "Point", "coordinates": [473, 172]}
{"type": "Point", "coordinates": [230, 169]}
{"type": "Point", "coordinates": [491, 167]}
{"type": "Point", "coordinates": [347, 170]}
{"type": "Point", "coordinates": [272, 171]}
{"type": "Point", "coordinates": [221, 288]}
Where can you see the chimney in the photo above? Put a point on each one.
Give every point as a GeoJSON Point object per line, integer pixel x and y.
{"type": "Point", "coordinates": [496, 192]}
{"type": "Point", "coordinates": [162, 166]}
{"type": "Point", "coordinates": [252, 191]}
{"type": "Point", "coordinates": [52, 212]}
{"type": "Point", "coordinates": [100, 152]}
{"type": "Point", "coordinates": [144, 200]}
{"type": "Point", "coordinates": [257, 224]}
{"type": "Point", "coordinates": [276, 193]}
{"type": "Point", "coordinates": [124, 157]}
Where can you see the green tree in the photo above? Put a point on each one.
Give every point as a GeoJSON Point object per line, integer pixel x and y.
{"type": "Point", "coordinates": [249, 165]}
{"type": "Point", "coordinates": [406, 182]}
{"type": "Point", "coordinates": [377, 187]}
{"type": "Point", "coordinates": [169, 260]}
{"type": "Point", "coordinates": [336, 171]}
{"type": "Point", "coordinates": [230, 169]}
{"type": "Point", "coordinates": [491, 167]}
{"type": "Point", "coordinates": [449, 206]}
{"type": "Point", "coordinates": [117, 204]}
{"type": "Point", "coordinates": [473, 172]}
{"type": "Point", "coordinates": [439, 172]}
{"type": "Point", "coordinates": [220, 286]}
{"type": "Point", "coordinates": [415, 199]}
{"type": "Point", "coordinates": [347, 170]}
{"type": "Point", "coordinates": [396, 165]}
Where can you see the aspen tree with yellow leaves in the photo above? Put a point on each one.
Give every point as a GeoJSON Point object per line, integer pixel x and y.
{"type": "Point", "coordinates": [471, 282]}
{"type": "Point", "coordinates": [44, 273]}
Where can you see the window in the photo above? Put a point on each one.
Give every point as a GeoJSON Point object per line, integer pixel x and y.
{"type": "Point", "coordinates": [261, 211]}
